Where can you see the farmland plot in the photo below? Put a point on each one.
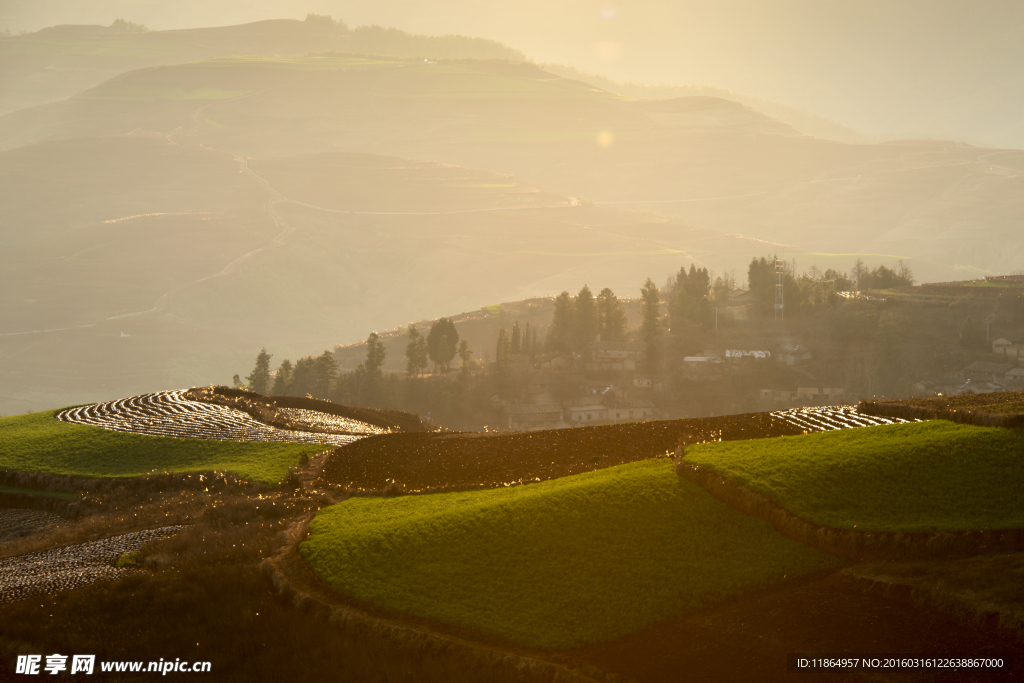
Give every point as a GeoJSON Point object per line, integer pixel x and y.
{"type": "Point", "coordinates": [828, 418]}
{"type": "Point", "coordinates": [61, 569]}
{"type": "Point", "coordinates": [169, 413]}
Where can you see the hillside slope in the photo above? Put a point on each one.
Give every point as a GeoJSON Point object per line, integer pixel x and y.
{"type": "Point", "coordinates": [167, 265]}
{"type": "Point", "coordinates": [60, 61]}
{"type": "Point", "coordinates": [557, 564]}
{"type": "Point", "coordinates": [948, 208]}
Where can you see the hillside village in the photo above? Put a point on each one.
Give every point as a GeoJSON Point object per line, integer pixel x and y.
{"type": "Point", "coordinates": [739, 358]}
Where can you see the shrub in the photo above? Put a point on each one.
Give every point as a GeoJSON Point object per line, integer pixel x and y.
{"type": "Point", "coordinates": [128, 560]}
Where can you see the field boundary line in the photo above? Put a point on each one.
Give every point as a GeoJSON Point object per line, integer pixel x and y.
{"type": "Point", "coordinates": [846, 543]}
{"type": "Point", "coordinates": [962, 604]}
{"type": "Point", "coordinates": [960, 415]}
{"type": "Point", "coordinates": [293, 580]}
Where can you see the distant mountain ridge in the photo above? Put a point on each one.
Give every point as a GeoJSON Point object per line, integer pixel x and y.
{"type": "Point", "coordinates": [801, 119]}
{"type": "Point", "coordinates": [60, 61]}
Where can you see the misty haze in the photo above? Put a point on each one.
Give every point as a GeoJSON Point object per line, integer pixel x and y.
{"type": "Point", "coordinates": [582, 341]}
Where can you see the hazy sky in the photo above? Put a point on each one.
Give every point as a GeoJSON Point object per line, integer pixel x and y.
{"type": "Point", "coordinates": [919, 67]}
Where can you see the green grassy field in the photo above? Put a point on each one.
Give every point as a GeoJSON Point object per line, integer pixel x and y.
{"type": "Point", "coordinates": [919, 477]}
{"type": "Point", "coordinates": [37, 442]}
{"type": "Point", "coordinates": [558, 564]}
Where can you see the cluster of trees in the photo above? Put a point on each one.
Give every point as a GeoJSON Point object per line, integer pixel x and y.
{"type": "Point", "coordinates": [441, 345]}
{"type": "Point", "coordinates": [882, 277]}
{"type": "Point", "coordinates": [398, 43]}
{"type": "Point", "coordinates": [312, 375]}
{"type": "Point", "coordinates": [522, 342]}
{"type": "Point", "coordinates": [687, 295]}
{"type": "Point", "coordinates": [579, 320]}
{"type": "Point", "coordinates": [816, 288]}
{"type": "Point", "coordinates": [327, 21]}
{"type": "Point", "coordinates": [129, 26]}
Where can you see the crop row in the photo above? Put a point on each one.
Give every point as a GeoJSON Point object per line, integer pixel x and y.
{"type": "Point", "coordinates": [169, 413]}
{"type": "Point", "coordinates": [60, 569]}
{"type": "Point", "coordinates": [828, 418]}
{"type": "Point", "coordinates": [15, 523]}
{"type": "Point", "coordinates": [333, 423]}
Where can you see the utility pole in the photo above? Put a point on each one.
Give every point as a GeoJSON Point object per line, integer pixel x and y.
{"type": "Point", "coordinates": [780, 270]}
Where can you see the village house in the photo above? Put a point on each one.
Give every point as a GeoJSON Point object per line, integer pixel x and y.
{"type": "Point", "coordinates": [934, 387]}
{"type": "Point", "coordinates": [645, 382]}
{"type": "Point", "coordinates": [630, 410]}
{"type": "Point", "coordinates": [742, 354]}
{"type": "Point", "coordinates": [1005, 347]}
{"type": "Point", "coordinates": [556, 362]}
{"type": "Point", "coordinates": [785, 395]}
{"type": "Point", "coordinates": [544, 386]}
{"type": "Point", "coordinates": [795, 356]}
{"type": "Point", "coordinates": [983, 371]}
{"type": "Point", "coordinates": [706, 366]}
{"type": "Point", "coordinates": [979, 387]}
{"type": "Point", "coordinates": [739, 297]}
{"type": "Point", "coordinates": [609, 355]}
{"type": "Point", "coordinates": [819, 392]}
{"type": "Point", "coordinates": [528, 416]}
{"type": "Point", "coordinates": [605, 391]}
{"type": "Point", "coordinates": [594, 412]}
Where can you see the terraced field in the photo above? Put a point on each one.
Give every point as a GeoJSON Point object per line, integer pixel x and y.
{"type": "Point", "coordinates": [39, 443]}
{"type": "Point", "coordinates": [61, 569]}
{"type": "Point", "coordinates": [334, 423]}
{"type": "Point", "coordinates": [431, 461]}
{"type": "Point", "coordinates": [829, 418]}
{"type": "Point", "coordinates": [18, 523]}
{"type": "Point", "coordinates": [557, 564]}
{"type": "Point", "coordinates": [918, 477]}
{"type": "Point", "coordinates": [169, 413]}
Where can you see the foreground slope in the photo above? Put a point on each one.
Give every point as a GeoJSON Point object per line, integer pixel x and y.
{"type": "Point", "coordinates": [558, 564]}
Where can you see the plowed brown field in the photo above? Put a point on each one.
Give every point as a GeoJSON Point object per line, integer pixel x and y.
{"type": "Point", "coordinates": [424, 462]}
{"type": "Point", "coordinates": [998, 402]}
